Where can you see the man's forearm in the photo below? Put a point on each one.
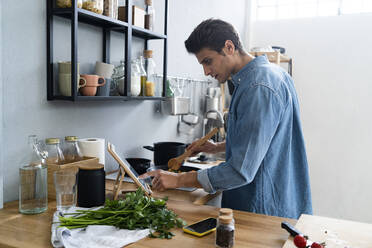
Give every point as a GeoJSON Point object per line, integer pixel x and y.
{"type": "Point", "coordinates": [188, 179]}
{"type": "Point", "coordinates": [221, 146]}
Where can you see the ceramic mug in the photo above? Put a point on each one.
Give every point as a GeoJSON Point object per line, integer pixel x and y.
{"type": "Point", "coordinates": [93, 80]}
{"type": "Point", "coordinates": [64, 83]}
{"type": "Point", "coordinates": [104, 90]}
{"type": "Point", "coordinates": [64, 67]}
{"type": "Point", "coordinates": [88, 90]}
{"type": "Point", "coordinates": [104, 70]}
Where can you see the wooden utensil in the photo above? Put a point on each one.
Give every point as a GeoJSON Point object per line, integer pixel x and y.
{"type": "Point", "coordinates": [175, 163]}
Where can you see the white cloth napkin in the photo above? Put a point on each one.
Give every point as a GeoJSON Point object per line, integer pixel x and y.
{"type": "Point", "coordinates": [94, 236]}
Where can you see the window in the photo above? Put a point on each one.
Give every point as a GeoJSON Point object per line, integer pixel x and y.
{"type": "Point", "coordinates": [287, 9]}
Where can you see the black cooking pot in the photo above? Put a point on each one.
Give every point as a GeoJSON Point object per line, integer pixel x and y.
{"type": "Point", "coordinates": [140, 165]}
{"type": "Point", "coordinates": [163, 151]}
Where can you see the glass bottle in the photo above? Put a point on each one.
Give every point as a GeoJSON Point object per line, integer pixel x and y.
{"type": "Point", "coordinates": [33, 187]}
{"type": "Point", "coordinates": [143, 75]}
{"type": "Point", "coordinates": [135, 79]}
{"type": "Point", "coordinates": [150, 66]}
{"type": "Point", "coordinates": [118, 78]}
{"type": "Point", "coordinates": [55, 155]}
{"type": "Point", "coordinates": [71, 150]}
{"type": "Point", "coordinates": [150, 16]}
{"type": "Point", "coordinates": [225, 232]}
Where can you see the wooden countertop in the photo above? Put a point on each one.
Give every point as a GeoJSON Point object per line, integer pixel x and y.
{"type": "Point", "coordinates": [252, 230]}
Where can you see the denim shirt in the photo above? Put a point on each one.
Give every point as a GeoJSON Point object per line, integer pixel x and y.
{"type": "Point", "coordinates": [266, 168]}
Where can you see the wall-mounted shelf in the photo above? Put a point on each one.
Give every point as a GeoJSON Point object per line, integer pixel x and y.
{"type": "Point", "coordinates": [78, 15]}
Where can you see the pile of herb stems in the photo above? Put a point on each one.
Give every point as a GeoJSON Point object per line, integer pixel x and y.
{"type": "Point", "coordinates": [136, 211]}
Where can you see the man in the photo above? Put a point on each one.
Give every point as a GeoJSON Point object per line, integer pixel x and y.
{"type": "Point", "coordinates": [266, 167]}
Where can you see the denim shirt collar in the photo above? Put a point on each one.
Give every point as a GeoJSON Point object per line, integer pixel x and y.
{"type": "Point", "coordinates": [237, 77]}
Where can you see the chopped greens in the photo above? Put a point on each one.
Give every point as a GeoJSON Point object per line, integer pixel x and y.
{"type": "Point", "coordinates": [136, 211]}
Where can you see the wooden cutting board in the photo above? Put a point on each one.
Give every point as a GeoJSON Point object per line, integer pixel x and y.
{"type": "Point", "coordinates": [336, 233]}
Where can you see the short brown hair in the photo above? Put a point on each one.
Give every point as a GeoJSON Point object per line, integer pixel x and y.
{"type": "Point", "coordinates": [212, 34]}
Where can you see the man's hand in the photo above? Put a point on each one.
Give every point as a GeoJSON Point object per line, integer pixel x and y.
{"type": "Point", "coordinates": [162, 179]}
{"type": "Point", "coordinates": [208, 147]}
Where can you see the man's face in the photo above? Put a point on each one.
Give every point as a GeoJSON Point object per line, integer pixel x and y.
{"type": "Point", "coordinates": [217, 65]}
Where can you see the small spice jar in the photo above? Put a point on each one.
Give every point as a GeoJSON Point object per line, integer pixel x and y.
{"type": "Point", "coordinates": [226, 212]}
{"type": "Point", "coordinates": [225, 232]}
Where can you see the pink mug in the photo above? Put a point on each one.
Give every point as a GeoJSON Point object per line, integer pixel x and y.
{"type": "Point", "coordinates": [93, 80]}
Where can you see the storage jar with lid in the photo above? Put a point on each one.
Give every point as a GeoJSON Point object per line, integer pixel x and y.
{"type": "Point", "coordinates": [68, 3]}
{"type": "Point", "coordinates": [150, 15]}
{"type": "Point", "coordinates": [33, 189]}
{"type": "Point", "coordinates": [95, 6]}
{"type": "Point", "coordinates": [143, 75]}
{"type": "Point", "coordinates": [55, 155]}
{"type": "Point", "coordinates": [71, 150]}
{"type": "Point", "coordinates": [225, 232]}
{"type": "Point", "coordinates": [91, 186]}
{"type": "Point", "coordinates": [151, 77]}
{"type": "Point", "coordinates": [110, 8]}
{"type": "Point", "coordinates": [118, 77]}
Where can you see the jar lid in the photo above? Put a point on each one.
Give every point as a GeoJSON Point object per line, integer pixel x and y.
{"type": "Point", "coordinates": [226, 211]}
{"type": "Point", "coordinates": [50, 141]}
{"type": "Point", "coordinates": [71, 138]}
{"type": "Point", "coordinates": [225, 219]}
{"type": "Point", "coordinates": [147, 53]}
{"type": "Point", "coordinates": [148, 2]}
{"type": "Point", "coordinates": [91, 166]}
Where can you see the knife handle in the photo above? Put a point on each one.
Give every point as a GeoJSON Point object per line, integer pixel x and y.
{"type": "Point", "coordinates": [292, 231]}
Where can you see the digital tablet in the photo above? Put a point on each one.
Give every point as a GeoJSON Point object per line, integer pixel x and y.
{"type": "Point", "coordinates": [129, 170]}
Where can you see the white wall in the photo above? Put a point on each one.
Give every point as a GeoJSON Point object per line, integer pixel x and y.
{"type": "Point", "coordinates": [332, 72]}
{"type": "Point", "coordinates": [129, 125]}
{"type": "Point", "coordinates": [1, 115]}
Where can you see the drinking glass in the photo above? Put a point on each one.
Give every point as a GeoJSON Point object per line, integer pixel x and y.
{"type": "Point", "coordinates": [65, 183]}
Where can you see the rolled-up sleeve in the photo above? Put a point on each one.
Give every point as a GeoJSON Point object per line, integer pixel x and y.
{"type": "Point", "coordinates": [252, 125]}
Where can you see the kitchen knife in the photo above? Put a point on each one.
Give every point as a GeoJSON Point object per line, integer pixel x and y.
{"type": "Point", "coordinates": [293, 232]}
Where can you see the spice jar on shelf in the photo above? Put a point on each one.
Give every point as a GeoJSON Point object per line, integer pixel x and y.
{"type": "Point", "coordinates": [68, 3]}
{"type": "Point", "coordinates": [95, 6]}
{"type": "Point", "coordinates": [110, 8]}
{"type": "Point", "coordinates": [225, 232]}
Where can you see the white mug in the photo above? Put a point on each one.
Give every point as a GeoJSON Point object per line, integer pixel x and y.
{"type": "Point", "coordinates": [104, 70]}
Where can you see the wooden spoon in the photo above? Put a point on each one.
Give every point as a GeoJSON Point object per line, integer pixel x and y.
{"type": "Point", "coordinates": [175, 163]}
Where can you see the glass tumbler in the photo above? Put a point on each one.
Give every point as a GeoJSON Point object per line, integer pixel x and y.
{"type": "Point", "coordinates": [65, 183]}
{"type": "Point", "coordinates": [33, 189]}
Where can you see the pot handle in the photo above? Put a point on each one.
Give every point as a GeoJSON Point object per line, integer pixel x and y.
{"type": "Point", "coordinates": [149, 148]}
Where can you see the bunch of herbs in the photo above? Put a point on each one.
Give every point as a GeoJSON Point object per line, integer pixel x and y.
{"type": "Point", "coordinates": [136, 211]}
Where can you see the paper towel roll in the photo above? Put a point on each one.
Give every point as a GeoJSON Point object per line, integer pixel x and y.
{"type": "Point", "coordinates": [93, 147]}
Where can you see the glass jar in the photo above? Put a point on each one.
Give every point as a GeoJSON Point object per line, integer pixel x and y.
{"type": "Point", "coordinates": [150, 16]}
{"type": "Point", "coordinates": [71, 150]}
{"type": "Point", "coordinates": [143, 75]}
{"type": "Point", "coordinates": [68, 3]}
{"type": "Point", "coordinates": [110, 8]}
{"type": "Point", "coordinates": [55, 155]}
{"type": "Point", "coordinates": [33, 189]}
{"type": "Point", "coordinates": [151, 77]}
{"type": "Point", "coordinates": [95, 6]}
{"type": "Point", "coordinates": [135, 78]}
{"type": "Point", "coordinates": [118, 78]}
{"type": "Point", "coordinates": [225, 232]}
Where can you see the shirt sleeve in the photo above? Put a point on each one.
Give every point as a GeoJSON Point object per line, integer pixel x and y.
{"type": "Point", "coordinates": [256, 120]}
